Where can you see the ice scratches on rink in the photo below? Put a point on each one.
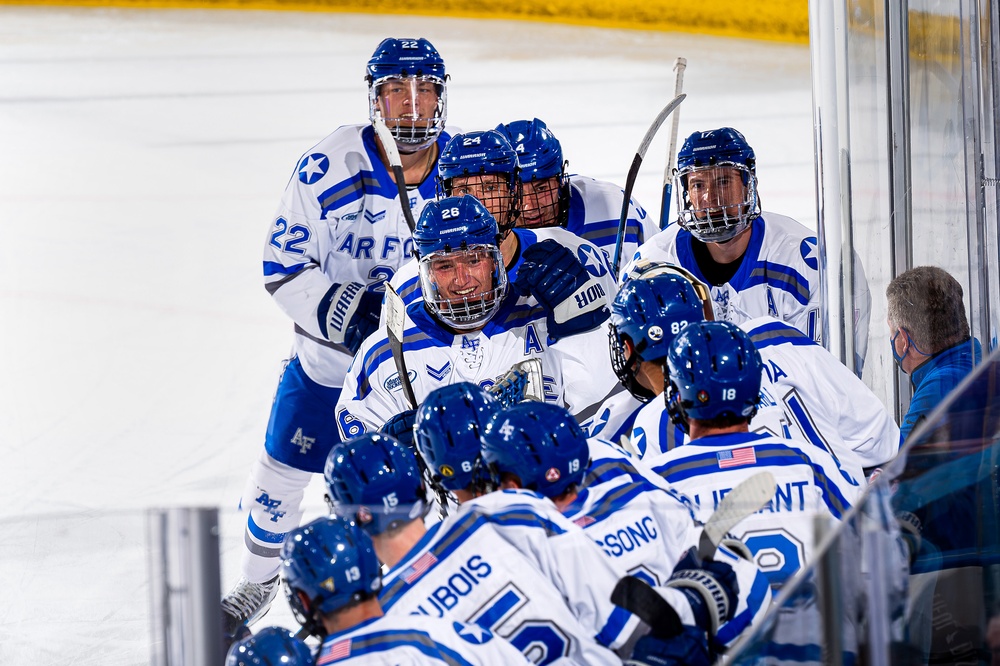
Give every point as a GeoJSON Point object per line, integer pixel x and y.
{"type": "Point", "coordinates": [145, 152]}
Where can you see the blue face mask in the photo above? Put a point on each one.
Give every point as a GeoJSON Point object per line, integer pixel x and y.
{"type": "Point", "coordinates": [897, 357]}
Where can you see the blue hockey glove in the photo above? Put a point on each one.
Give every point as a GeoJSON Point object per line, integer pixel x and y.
{"type": "Point", "coordinates": [400, 426]}
{"type": "Point", "coordinates": [575, 299]}
{"type": "Point", "coordinates": [688, 648]}
{"type": "Point", "coordinates": [348, 314]}
{"type": "Point", "coordinates": [710, 588]}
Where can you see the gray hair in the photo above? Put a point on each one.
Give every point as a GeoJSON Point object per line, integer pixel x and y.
{"type": "Point", "coordinates": [927, 302]}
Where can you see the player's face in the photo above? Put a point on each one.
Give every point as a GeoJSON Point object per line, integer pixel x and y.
{"type": "Point", "coordinates": [463, 275]}
{"type": "Point", "coordinates": [408, 102]}
{"type": "Point", "coordinates": [492, 189]}
{"type": "Point", "coordinates": [718, 188]}
{"type": "Point", "coordinates": [541, 203]}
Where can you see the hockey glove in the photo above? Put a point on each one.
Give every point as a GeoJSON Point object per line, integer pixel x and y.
{"type": "Point", "coordinates": [688, 648]}
{"type": "Point", "coordinates": [574, 298]}
{"type": "Point", "coordinates": [710, 588]}
{"type": "Point", "coordinates": [400, 426]}
{"type": "Point", "coordinates": [348, 314]}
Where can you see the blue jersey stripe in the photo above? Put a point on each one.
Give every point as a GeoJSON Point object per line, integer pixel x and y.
{"type": "Point", "coordinates": [383, 641]}
{"type": "Point", "coordinates": [613, 628]}
{"type": "Point", "coordinates": [759, 594]}
{"type": "Point", "coordinates": [275, 268]}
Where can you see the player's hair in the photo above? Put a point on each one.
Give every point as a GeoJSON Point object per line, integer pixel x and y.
{"type": "Point", "coordinates": [927, 302]}
{"type": "Point", "coordinates": [720, 422]}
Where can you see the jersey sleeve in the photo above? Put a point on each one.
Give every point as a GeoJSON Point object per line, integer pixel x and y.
{"type": "Point", "coordinates": [371, 393]}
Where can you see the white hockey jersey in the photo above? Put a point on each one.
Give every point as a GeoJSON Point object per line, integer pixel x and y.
{"type": "Point", "coordinates": [646, 527]}
{"type": "Point", "coordinates": [435, 357]}
{"type": "Point", "coordinates": [595, 207]}
{"type": "Point", "coordinates": [396, 640]}
{"type": "Point", "coordinates": [806, 395]}
{"type": "Point", "coordinates": [340, 220]}
{"type": "Point", "coordinates": [808, 482]}
{"type": "Point", "coordinates": [509, 561]}
{"type": "Point", "coordinates": [778, 277]}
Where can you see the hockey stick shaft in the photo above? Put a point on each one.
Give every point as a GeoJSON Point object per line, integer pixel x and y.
{"type": "Point", "coordinates": [634, 171]}
{"type": "Point", "coordinates": [395, 313]}
{"type": "Point", "coordinates": [668, 175]}
{"type": "Point", "coordinates": [644, 602]}
{"type": "Point", "coordinates": [396, 164]}
{"type": "Point", "coordinates": [742, 501]}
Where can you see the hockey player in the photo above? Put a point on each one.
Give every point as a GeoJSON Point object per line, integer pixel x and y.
{"type": "Point", "coordinates": [756, 263]}
{"type": "Point", "coordinates": [551, 197]}
{"type": "Point", "coordinates": [338, 234]}
{"type": "Point", "coordinates": [332, 580]}
{"type": "Point", "coordinates": [466, 327]}
{"type": "Point", "coordinates": [715, 377]}
{"type": "Point", "coordinates": [541, 265]}
{"type": "Point", "coordinates": [806, 393]}
{"type": "Point", "coordinates": [270, 645]}
{"type": "Point", "coordinates": [643, 528]}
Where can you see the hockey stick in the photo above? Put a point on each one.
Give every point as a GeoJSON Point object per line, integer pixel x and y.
{"type": "Point", "coordinates": [396, 164]}
{"type": "Point", "coordinates": [668, 175]}
{"type": "Point", "coordinates": [633, 171]}
{"type": "Point", "coordinates": [640, 599]}
{"type": "Point", "coordinates": [394, 317]}
{"type": "Point", "coordinates": [740, 502]}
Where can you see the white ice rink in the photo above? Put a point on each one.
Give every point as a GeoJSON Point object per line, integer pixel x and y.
{"type": "Point", "coordinates": [142, 154]}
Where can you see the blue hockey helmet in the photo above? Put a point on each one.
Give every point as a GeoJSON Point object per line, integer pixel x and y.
{"type": "Point", "coordinates": [717, 178]}
{"type": "Point", "coordinates": [270, 645]}
{"type": "Point", "coordinates": [327, 565]}
{"type": "Point", "coordinates": [539, 443]}
{"type": "Point", "coordinates": [646, 315]}
{"type": "Point", "coordinates": [487, 166]}
{"type": "Point", "coordinates": [376, 482]}
{"type": "Point", "coordinates": [545, 195]}
{"type": "Point", "coordinates": [449, 428]}
{"type": "Point", "coordinates": [714, 372]}
{"type": "Point", "coordinates": [415, 108]}
{"type": "Point", "coordinates": [462, 273]}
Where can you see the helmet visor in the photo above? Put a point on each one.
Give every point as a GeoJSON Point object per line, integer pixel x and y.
{"type": "Point", "coordinates": [464, 288]}
{"type": "Point", "coordinates": [540, 207]}
{"type": "Point", "coordinates": [494, 191]}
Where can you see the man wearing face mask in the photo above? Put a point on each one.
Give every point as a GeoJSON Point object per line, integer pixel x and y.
{"type": "Point", "coordinates": [930, 338]}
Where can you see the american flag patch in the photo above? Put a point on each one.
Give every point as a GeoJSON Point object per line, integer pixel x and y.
{"type": "Point", "coordinates": [423, 563]}
{"type": "Point", "coordinates": [583, 521]}
{"type": "Point", "coordinates": [737, 458]}
{"type": "Point", "coordinates": [338, 650]}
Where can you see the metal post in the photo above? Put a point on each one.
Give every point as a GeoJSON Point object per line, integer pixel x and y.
{"type": "Point", "coordinates": [831, 597]}
{"type": "Point", "coordinates": [185, 587]}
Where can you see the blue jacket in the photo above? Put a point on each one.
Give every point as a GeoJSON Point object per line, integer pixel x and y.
{"type": "Point", "coordinates": [935, 378]}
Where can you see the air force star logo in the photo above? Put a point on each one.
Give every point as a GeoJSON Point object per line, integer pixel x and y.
{"type": "Point", "coordinates": [809, 253]}
{"type": "Point", "coordinates": [591, 259]}
{"type": "Point", "coordinates": [313, 167]}
{"type": "Point", "coordinates": [472, 633]}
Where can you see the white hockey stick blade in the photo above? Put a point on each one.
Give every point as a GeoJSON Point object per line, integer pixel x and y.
{"type": "Point", "coordinates": [533, 368]}
{"type": "Point", "coordinates": [395, 313]}
{"type": "Point", "coordinates": [396, 164]}
{"type": "Point", "coordinates": [634, 171]}
{"type": "Point", "coordinates": [742, 501]}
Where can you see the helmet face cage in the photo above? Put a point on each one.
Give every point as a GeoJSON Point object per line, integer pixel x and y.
{"type": "Point", "coordinates": [714, 371]}
{"type": "Point", "coordinates": [327, 565]}
{"type": "Point", "coordinates": [540, 443]}
{"type": "Point", "coordinates": [407, 88]}
{"type": "Point", "coordinates": [270, 645]}
{"type": "Point", "coordinates": [484, 165]}
{"type": "Point", "coordinates": [650, 312]}
{"type": "Point", "coordinates": [716, 176]}
{"type": "Point", "coordinates": [545, 196]}
{"type": "Point", "coordinates": [375, 481]}
{"type": "Point", "coordinates": [500, 194]}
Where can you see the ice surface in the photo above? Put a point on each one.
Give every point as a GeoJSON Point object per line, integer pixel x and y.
{"type": "Point", "coordinates": [143, 154]}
